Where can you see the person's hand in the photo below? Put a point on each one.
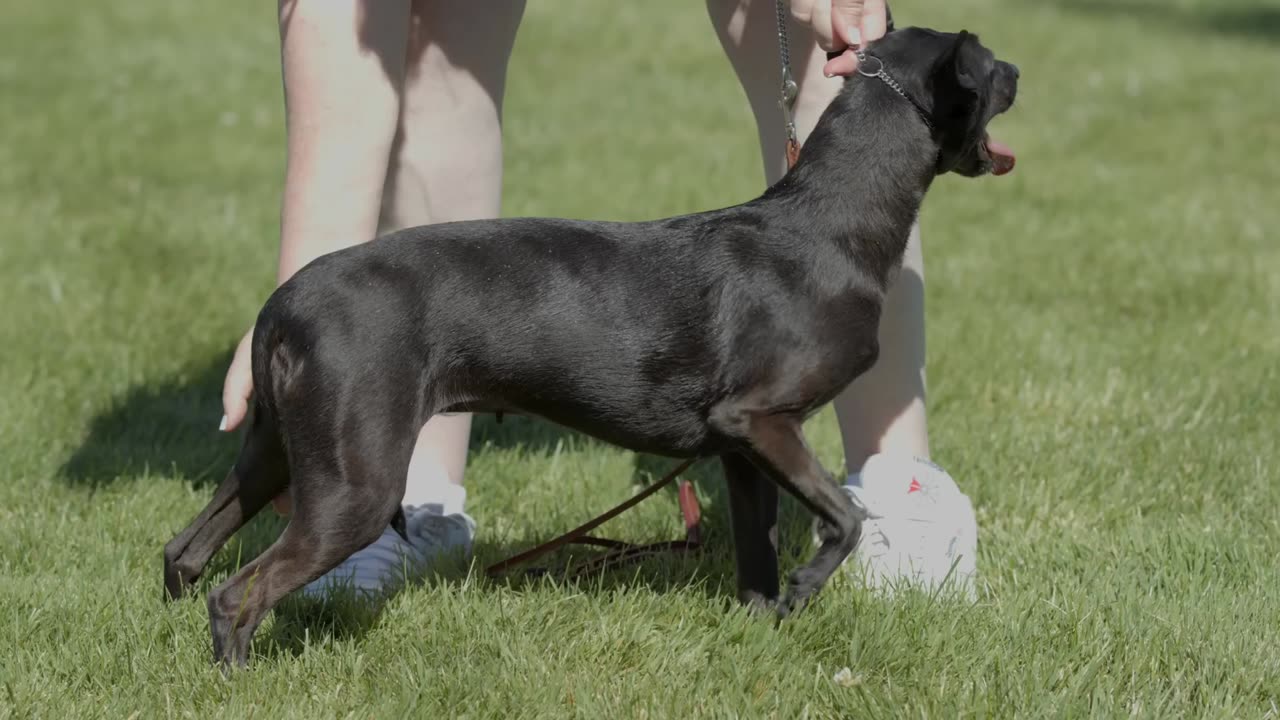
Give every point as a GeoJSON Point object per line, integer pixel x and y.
{"type": "Point", "coordinates": [238, 386]}
{"type": "Point", "coordinates": [843, 25]}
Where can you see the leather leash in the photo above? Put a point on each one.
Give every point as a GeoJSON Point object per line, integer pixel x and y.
{"type": "Point", "coordinates": [619, 553]}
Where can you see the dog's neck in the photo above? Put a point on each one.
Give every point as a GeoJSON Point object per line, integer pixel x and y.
{"type": "Point", "coordinates": [862, 176]}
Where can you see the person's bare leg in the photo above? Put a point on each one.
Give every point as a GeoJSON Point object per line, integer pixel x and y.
{"type": "Point", "coordinates": [343, 67]}
{"type": "Point", "coordinates": [446, 163]}
{"type": "Point", "coordinates": [884, 410]}
{"type": "Point", "coordinates": [439, 151]}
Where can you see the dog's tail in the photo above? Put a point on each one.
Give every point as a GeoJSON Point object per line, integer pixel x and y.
{"type": "Point", "coordinates": [274, 366]}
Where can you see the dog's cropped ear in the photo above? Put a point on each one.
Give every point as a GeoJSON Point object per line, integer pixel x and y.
{"type": "Point", "coordinates": [965, 62]}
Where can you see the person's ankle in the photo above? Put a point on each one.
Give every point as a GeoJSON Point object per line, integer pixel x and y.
{"type": "Point", "coordinates": [445, 498]}
{"type": "Point", "coordinates": [887, 464]}
{"type": "Point", "coordinates": [430, 483]}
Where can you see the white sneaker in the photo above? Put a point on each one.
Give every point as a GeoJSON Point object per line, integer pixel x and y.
{"type": "Point", "coordinates": [922, 529]}
{"type": "Point", "coordinates": [390, 562]}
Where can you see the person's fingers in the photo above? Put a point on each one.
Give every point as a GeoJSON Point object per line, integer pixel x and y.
{"type": "Point", "coordinates": [238, 386]}
{"type": "Point", "coordinates": [847, 22]}
{"type": "Point", "coordinates": [844, 64]}
{"type": "Point", "coordinates": [874, 20]}
{"type": "Point", "coordinates": [846, 30]}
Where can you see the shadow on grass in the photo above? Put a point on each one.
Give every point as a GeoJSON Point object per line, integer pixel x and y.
{"type": "Point", "coordinates": [1258, 23]}
{"type": "Point", "coordinates": [170, 426]}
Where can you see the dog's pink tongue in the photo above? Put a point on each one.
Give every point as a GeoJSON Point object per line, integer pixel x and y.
{"type": "Point", "coordinates": [1002, 157]}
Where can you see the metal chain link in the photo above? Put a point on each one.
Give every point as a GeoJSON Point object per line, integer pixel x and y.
{"type": "Point", "coordinates": [873, 67]}
{"type": "Point", "coordinates": [784, 47]}
{"type": "Point", "coordinates": [789, 89]}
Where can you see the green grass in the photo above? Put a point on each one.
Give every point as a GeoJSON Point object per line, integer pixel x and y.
{"type": "Point", "coordinates": [1104, 364]}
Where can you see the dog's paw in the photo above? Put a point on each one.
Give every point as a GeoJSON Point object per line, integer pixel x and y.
{"type": "Point", "coordinates": [826, 533]}
{"type": "Point", "coordinates": [792, 604]}
{"type": "Point", "coordinates": [804, 584]}
{"type": "Point", "coordinates": [176, 586]}
{"type": "Point", "coordinates": [757, 604]}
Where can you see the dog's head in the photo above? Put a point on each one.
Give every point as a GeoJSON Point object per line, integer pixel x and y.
{"type": "Point", "coordinates": [959, 85]}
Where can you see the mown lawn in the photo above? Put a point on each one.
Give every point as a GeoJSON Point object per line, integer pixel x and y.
{"type": "Point", "coordinates": [1104, 333]}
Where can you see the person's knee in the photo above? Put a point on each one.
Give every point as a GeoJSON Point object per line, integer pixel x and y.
{"type": "Point", "coordinates": [446, 163]}
{"type": "Point", "coordinates": [456, 120]}
{"type": "Point", "coordinates": [450, 114]}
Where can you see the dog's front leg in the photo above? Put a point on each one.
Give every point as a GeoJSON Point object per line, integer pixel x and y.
{"type": "Point", "coordinates": [778, 445]}
{"type": "Point", "coordinates": [753, 509]}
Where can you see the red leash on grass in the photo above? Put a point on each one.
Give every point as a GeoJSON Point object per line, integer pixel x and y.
{"type": "Point", "coordinates": [619, 553]}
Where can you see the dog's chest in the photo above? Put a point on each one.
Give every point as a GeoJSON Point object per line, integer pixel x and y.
{"type": "Point", "coordinates": [803, 350]}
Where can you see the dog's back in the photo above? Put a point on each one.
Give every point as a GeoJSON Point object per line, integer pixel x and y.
{"type": "Point", "coordinates": [574, 321]}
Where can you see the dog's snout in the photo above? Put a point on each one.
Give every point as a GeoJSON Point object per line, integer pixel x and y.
{"type": "Point", "coordinates": [1016, 73]}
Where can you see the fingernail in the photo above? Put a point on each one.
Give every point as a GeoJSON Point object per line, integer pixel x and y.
{"type": "Point", "coordinates": [855, 35]}
{"type": "Point", "coordinates": [828, 74]}
{"type": "Point", "coordinates": [222, 426]}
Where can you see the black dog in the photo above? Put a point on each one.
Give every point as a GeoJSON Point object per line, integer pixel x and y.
{"type": "Point", "coordinates": [717, 333]}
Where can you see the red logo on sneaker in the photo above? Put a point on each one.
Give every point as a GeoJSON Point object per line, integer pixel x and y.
{"type": "Point", "coordinates": [915, 486]}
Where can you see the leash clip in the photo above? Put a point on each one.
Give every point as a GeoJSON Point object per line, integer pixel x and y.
{"type": "Point", "coordinates": [789, 89]}
{"type": "Point", "coordinates": [787, 102]}
{"type": "Point", "coordinates": [864, 59]}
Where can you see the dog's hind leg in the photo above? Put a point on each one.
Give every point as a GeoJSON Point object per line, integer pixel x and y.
{"type": "Point", "coordinates": [345, 492]}
{"type": "Point", "coordinates": [777, 444]}
{"type": "Point", "coordinates": [753, 509]}
{"type": "Point", "coordinates": [259, 474]}
{"type": "Point", "coordinates": [306, 550]}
